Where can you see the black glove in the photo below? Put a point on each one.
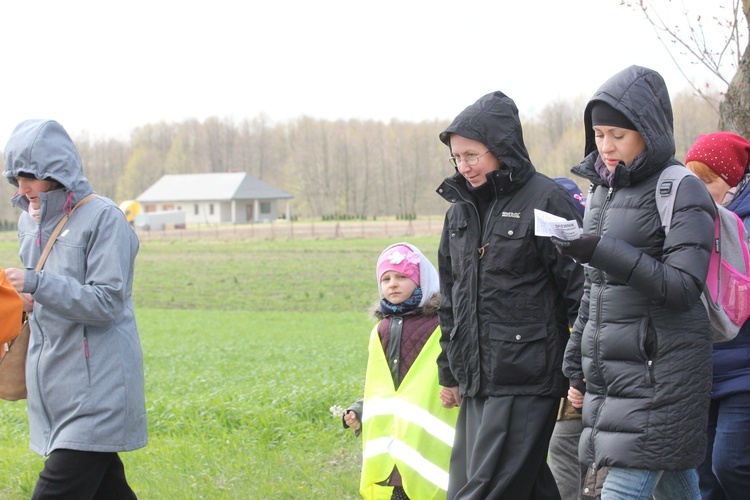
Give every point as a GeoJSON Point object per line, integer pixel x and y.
{"type": "Point", "coordinates": [581, 249]}
{"type": "Point", "coordinates": [579, 384]}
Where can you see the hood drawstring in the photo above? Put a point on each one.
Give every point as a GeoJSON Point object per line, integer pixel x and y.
{"type": "Point", "coordinates": [38, 225]}
{"type": "Point", "coordinates": [68, 206]}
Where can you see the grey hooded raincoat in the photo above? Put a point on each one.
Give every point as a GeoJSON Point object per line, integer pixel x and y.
{"type": "Point", "coordinates": [84, 368]}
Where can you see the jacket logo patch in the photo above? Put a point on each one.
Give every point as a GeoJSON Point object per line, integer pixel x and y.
{"type": "Point", "coordinates": [513, 215]}
{"type": "Point", "coordinates": [64, 233]}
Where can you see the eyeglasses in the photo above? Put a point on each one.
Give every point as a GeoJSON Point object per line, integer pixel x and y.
{"type": "Point", "coordinates": [470, 159]}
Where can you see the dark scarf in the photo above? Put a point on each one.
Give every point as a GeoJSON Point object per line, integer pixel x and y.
{"type": "Point", "coordinates": [406, 306]}
{"type": "Point", "coordinates": [603, 171]}
{"type": "Point", "coordinates": [608, 176]}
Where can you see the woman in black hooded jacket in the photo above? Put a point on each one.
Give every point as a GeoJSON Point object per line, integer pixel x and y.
{"type": "Point", "coordinates": [641, 340]}
{"type": "Point", "coordinates": [507, 301]}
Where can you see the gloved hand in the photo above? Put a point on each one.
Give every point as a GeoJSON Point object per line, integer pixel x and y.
{"type": "Point", "coordinates": [581, 249]}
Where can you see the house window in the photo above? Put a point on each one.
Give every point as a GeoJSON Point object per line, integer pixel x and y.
{"type": "Point", "coordinates": [265, 207]}
{"type": "Point", "coordinates": [211, 209]}
{"type": "Point", "coordinates": [196, 209]}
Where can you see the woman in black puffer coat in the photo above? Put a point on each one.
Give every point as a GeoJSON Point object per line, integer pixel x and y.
{"type": "Point", "coordinates": [641, 340]}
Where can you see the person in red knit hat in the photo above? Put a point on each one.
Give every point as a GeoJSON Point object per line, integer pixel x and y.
{"type": "Point", "coordinates": [720, 160]}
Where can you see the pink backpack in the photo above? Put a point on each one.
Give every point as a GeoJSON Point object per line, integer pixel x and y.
{"type": "Point", "coordinates": [727, 291]}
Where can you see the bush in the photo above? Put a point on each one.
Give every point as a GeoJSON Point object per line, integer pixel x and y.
{"type": "Point", "coordinates": [343, 216]}
{"type": "Point", "coordinates": [406, 216]}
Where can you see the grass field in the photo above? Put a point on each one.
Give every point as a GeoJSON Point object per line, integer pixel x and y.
{"type": "Point", "coordinates": [246, 346]}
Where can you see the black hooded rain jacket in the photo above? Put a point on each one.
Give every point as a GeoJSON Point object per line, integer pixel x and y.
{"type": "Point", "coordinates": [505, 313]}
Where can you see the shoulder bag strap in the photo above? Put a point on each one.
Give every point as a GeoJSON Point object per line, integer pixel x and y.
{"type": "Point", "coordinates": [58, 229]}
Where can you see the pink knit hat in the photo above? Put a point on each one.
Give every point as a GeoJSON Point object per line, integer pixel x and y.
{"type": "Point", "coordinates": [401, 259]}
{"type": "Point", "coordinates": [726, 153]}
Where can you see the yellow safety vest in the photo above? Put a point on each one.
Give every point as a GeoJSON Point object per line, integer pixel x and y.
{"type": "Point", "coordinates": [407, 428]}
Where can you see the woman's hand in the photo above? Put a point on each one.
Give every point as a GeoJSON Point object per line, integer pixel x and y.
{"type": "Point", "coordinates": [15, 277]}
{"type": "Point", "coordinates": [28, 302]}
{"type": "Point", "coordinates": [450, 397]}
{"type": "Point", "coordinates": [575, 396]}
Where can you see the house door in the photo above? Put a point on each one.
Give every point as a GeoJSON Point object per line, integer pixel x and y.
{"type": "Point", "coordinates": [249, 212]}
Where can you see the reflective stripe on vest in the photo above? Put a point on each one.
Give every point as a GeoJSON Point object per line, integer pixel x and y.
{"type": "Point", "coordinates": [411, 412]}
{"type": "Point", "coordinates": [408, 427]}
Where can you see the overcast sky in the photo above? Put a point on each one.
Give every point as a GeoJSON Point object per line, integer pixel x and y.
{"type": "Point", "coordinates": [107, 67]}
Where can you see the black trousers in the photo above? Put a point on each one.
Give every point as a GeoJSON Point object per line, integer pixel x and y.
{"type": "Point", "coordinates": [500, 449]}
{"type": "Point", "coordinates": [82, 475]}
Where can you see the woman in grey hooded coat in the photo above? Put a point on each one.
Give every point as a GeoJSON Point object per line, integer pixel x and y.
{"type": "Point", "coordinates": [84, 370]}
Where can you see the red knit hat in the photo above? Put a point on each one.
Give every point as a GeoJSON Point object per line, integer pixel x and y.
{"type": "Point", "coordinates": [726, 153]}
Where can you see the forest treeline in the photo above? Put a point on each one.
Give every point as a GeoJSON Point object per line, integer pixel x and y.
{"type": "Point", "coordinates": [346, 168]}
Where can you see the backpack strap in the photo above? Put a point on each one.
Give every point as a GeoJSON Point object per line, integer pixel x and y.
{"type": "Point", "coordinates": [666, 190]}
{"type": "Point", "coordinates": [736, 243]}
{"type": "Point", "coordinates": [743, 236]}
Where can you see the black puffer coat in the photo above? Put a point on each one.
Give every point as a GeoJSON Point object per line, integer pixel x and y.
{"type": "Point", "coordinates": [642, 338]}
{"type": "Point", "coordinates": [505, 315]}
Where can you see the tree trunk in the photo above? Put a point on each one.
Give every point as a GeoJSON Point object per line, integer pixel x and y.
{"type": "Point", "coordinates": [735, 109]}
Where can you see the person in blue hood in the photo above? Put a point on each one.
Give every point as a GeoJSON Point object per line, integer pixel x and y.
{"type": "Point", "coordinates": [720, 160]}
{"type": "Point", "coordinates": [84, 368]}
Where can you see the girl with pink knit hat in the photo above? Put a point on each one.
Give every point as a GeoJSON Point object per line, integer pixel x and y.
{"type": "Point", "coordinates": [721, 160]}
{"type": "Point", "coordinates": [407, 434]}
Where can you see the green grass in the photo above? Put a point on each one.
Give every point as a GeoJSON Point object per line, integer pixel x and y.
{"type": "Point", "coordinates": [321, 275]}
{"type": "Point", "coordinates": [246, 346]}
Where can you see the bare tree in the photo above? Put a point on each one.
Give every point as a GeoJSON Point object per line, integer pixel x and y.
{"type": "Point", "coordinates": [692, 117]}
{"type": "Point", "coordinates": [352, 167]}
{"type": "Point", "coordinates": [150, 145]}
{"type": "Point", "coordinates": [735, 110]}
{"type": "Point", "coordinates": [554, 138]}
{"type": "Point", "coordinates": [724, 57]}
{"type": "Point", "coordinates": [103, 162]}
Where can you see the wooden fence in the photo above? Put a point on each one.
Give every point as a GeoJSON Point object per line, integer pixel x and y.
{"type": "Point", "coordinates": [286, 231]}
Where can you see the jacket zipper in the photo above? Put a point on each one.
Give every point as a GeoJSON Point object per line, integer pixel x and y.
{"type": "Point", "coordinates": [460, 194]}
{"type": "Point", "coordinates": [86, 353]}
{"type": "Point", "coordinates": [599, 314]}
{"type": "Point", "coordinates": [48, 443]}
{"type": "Point", "coordinates": [601, 288]}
